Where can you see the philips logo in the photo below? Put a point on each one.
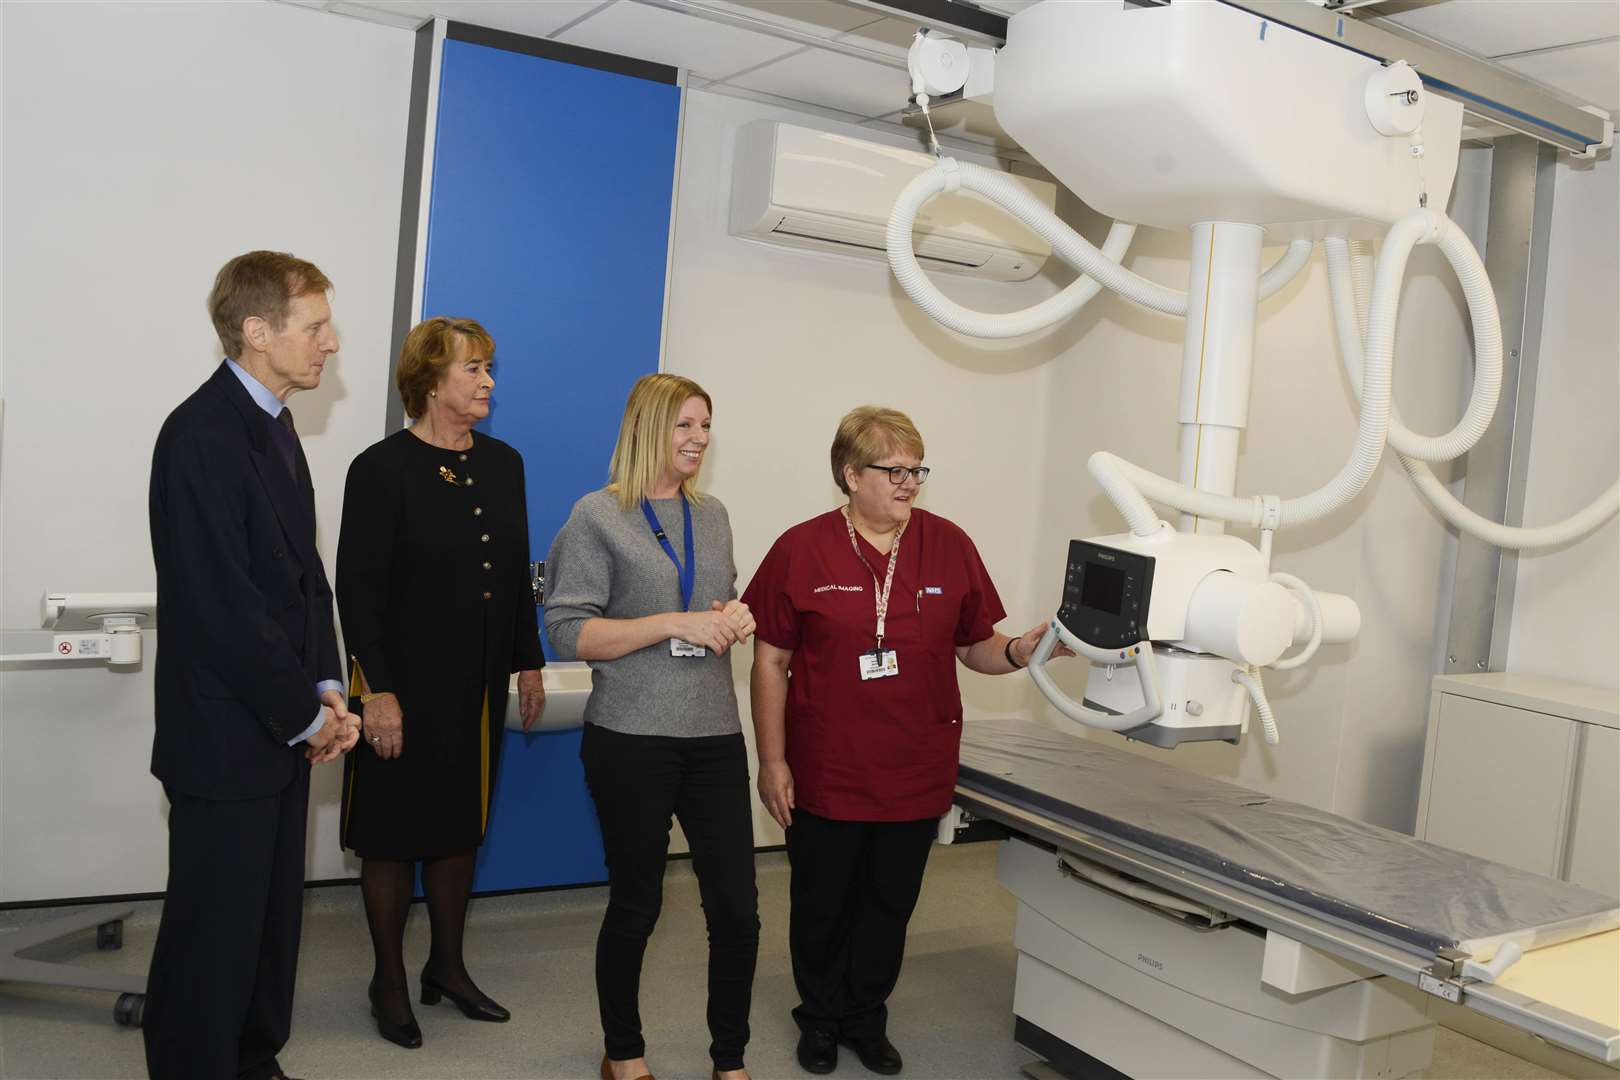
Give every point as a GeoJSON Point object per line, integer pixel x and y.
{"type": "Point", "coordinates": [836, 588]}
{"type": "Point", "coordinates": [1104, 556]}
{"type": "Point", "coordinates": [1150, 962]}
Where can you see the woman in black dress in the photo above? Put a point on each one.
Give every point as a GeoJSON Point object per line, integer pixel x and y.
{"type": "Point", "coordinates": [433, 590]}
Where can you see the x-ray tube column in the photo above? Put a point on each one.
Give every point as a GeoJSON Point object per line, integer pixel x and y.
{"type": "Point", "coordinates": [1217, 358]}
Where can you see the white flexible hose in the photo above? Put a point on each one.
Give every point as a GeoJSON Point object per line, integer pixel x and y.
{"type": "Point", "coordinates": [1099, 267]}
{"type": "Point", "coordinates": [1342, 284]}
{"type": "Point", "coordinates": [1130, 486]}
{"type": "Point", "coordinates": [1361, 272]}
{"type": "Point", "coordinates": [1373, 426]}
{"type": "Point", "coordinates": [1487, 326]}
{"type": "Point", "coordinates": [1512, 537]}
{"type": "Point", "coordinates": [1314, 606]}
{"type": "Point", "coordinates": [1366, 320]}
{"type": "Point", "coordinates": [1286, 268]}
{"type": "Point", "coordinates": [1249, 679]}
{"type": "Point", "coordinates": [1084, 288]}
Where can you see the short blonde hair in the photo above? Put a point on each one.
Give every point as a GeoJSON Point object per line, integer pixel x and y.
{"type": "Point", "coordinates": [429, 348]}
{"type": "Point", "coordinates": [642, 455]}
{"type": "Point", "coordinates": [868, 433]}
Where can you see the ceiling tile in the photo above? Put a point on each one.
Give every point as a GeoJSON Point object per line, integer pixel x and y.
{"type": "Point", "coordinates": [1588, 72]}
{"type": "Point", "coordinates": [704, 47]}
{"type": "Point", "coordinates": [809, 108]}
{"type": "Point", "coordinates": [533, 19]}
{"type": "Point", "coordinates": [830, 79]}
{"type": "Point", "coordinates": [1494, 27]}
{"type": "Point", "coordinates": [380, 16]}
{"type": "Point", "coordinates": [892, 36]}
{"type": "Point", "coordinates": [824, 18]}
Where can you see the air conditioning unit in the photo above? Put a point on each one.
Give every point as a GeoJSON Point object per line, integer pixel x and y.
{"type": "Point", "coordinates": [802, 188]}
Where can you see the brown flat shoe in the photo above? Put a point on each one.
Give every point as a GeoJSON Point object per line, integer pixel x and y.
{"type": "Point", "coordinates": [607, 1071]}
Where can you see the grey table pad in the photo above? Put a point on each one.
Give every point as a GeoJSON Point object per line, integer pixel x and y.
{"type": "Point", "coordinates": [1412, 894]}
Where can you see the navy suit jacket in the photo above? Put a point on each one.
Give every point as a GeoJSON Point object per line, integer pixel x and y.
{"type": "Point", "coordinates": [245, 630]}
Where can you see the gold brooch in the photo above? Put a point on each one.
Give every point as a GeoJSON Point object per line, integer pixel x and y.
{"type": "Point", "coordinates": [445, 474]}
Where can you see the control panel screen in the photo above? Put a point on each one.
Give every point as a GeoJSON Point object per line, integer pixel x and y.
{"type": "Point", "coordinates": [1102, 588]}
{"type": "Point", "coordinates": [1106, 594]}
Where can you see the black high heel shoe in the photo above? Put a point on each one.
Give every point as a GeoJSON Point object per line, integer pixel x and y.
{"type": "Point", "coordinates": [408, 1034]}
{"type": "Point", "coordinates": [485, 1008]}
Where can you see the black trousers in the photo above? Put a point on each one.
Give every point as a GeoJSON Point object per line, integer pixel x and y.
{"type": "Point", "coordinates": [854, 886]}
{"type": "Point", "coordinates": [638, 782]}
{"type": "Point", "coordinates": [219, 996]}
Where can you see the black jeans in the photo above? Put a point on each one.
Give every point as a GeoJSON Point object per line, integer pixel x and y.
{"type": "Point", "coordinates": [855, 884]}
{"type": "Point", "coordinates": [638, 782]}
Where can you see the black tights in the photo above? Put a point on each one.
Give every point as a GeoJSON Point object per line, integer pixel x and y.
{"type": "Point", "coordinates": [387, 886]}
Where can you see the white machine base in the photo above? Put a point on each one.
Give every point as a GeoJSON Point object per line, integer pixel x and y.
{"type": "Point", "coordinates": [1152, 994]}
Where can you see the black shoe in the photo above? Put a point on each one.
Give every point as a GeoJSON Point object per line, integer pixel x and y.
{"type": "Point", "coordinates": [818, 1051]}
{"type": "Point", "coordinates": [407, 1034]}
{"type": "Point", "coordinates": [482, 1007]}
{"type": "Point", "coordinates": [876, 1053]}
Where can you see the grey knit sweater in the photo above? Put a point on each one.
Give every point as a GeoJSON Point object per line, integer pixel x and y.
{"type": "Point", "coordinates": [606, 563]}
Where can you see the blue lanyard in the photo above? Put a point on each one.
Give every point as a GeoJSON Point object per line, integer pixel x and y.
{"type": "Point", "coordinates": [689, 571]}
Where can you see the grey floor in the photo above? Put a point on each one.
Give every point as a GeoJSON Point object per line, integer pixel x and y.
{"type": "Point", "coordinates": [951, 1015]}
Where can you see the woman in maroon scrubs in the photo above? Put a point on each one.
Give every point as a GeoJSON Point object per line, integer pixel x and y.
{"type": "Point", "coordinates": [868, 608]}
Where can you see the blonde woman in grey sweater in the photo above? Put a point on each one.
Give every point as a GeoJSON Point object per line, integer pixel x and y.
{"type": "Point", "coordinates": [644, 587]}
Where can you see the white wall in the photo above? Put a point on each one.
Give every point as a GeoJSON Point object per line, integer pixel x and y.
{"type": "Point", "coordinates": [1566, 610]}
{"type": "Point", "coordinates": [145, 144]}
{"type": "Point", "coordinates": [788, 341]}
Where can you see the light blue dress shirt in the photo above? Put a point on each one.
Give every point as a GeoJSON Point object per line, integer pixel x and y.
{"type": "Point", "coordinates": [264, 399]}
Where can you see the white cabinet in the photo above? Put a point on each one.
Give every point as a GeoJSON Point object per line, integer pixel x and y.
{"type": "Point", "coordinates": [1525, 771]}
{"type": "Point", "coordinates": [1594, 834]}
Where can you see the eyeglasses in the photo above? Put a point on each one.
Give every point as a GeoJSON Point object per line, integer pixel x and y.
{"type": "Point", "coordinates": [898, 473]}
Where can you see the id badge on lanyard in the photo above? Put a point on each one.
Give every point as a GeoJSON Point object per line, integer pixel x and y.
{"type": "Point", "coordinates": [878, 662]}
{"type": "Point", "coordinates": [687, 573]}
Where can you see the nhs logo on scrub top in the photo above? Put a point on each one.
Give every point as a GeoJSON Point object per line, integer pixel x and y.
{"type": "Point", "coordinates": [933, 590]}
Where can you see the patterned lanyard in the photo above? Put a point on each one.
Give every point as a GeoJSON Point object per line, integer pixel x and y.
{"type": "Point", "coordinates": [888, 578]}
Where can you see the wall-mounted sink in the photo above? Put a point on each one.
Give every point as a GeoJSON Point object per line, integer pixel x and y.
{"type": "Point", "coordinates": [567, 686]}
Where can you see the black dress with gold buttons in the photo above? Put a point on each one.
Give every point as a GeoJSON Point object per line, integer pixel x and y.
{"type": "Point", "coordinates": [436, 607]}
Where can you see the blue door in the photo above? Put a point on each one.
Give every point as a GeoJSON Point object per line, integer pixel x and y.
{"type": "Point", "coordinates": [549, 216]}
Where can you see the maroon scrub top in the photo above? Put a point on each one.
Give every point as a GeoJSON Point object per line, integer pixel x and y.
{"type": "Point", "coordinates": [883, 749]}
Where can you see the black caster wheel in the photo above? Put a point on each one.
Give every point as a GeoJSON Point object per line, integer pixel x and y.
{"type": "Point", "coordinates": [130, 1010]}
{"type": "Point", "coordinates": [110, 935]}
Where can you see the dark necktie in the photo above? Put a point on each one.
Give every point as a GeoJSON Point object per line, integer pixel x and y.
{"type": "Point", "coordinates": [285, 436]}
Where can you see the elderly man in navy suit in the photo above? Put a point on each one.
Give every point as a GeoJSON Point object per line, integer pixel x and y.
{"type": "Point", "coordinates": [249, 689]}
